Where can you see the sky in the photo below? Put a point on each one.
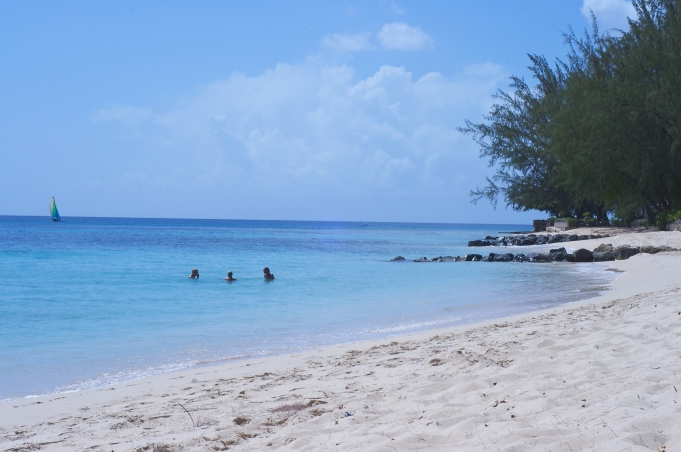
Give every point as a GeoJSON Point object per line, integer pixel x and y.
{"type": "Point", "coordinates": [297, 110]}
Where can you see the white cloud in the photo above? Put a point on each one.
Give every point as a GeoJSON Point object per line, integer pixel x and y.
{"type": "Point", "coordinates": [313, 128]}
{"type": "Point", "coordinates": [609, 13]}
{"type": "Point", "coordinates": [400, 36]}
{"type": "Point", "coordinates": [347, 42]}
{"type": "Point", "coordinates": [396, 9]}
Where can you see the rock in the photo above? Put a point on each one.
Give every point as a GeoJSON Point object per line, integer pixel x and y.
{"type": "Point", "coordinates": [557, 254]}
{"type": "Point", "coordinates": [479, 243]}
{"type": "Point", "coordinates": [421, 259]}
{"type": "Point", "coordinates": [541, 240]}
{"type": "Point", "coordinates": [489, 258]}
{"type": "Point", "coordinates": [625, 252]}
{"type": "Point", "coordinates": [675, 226]}
{"type": "Point", "coordinates": [603, 247]}
{"type": "Point", "coordinates": [650, 249]}
{"type": "Point", "coordinates": [639, 223]}
{"type": "Point", "coordinates": [443, 259]}
{"type": "Point", "coordinates": [397, 259]}
{"type": "Point", "coordinates": [574, 238]}
{"type": "Point", "coordinates": [489, 237]}
{"type": "Point", "coordinates": [583, 237]}
{"type": "Point", "coordinates": [538, 258]}
{"type": "Point", "coordinates": [520, 258]}
{"type": "Point", "coordinates": [557, 238]}
{"type": "Point", "coordinates": [528, 241]}
{"type": "Point", "coordinates": [603, 256]}
{"type": "Point", "coordinates": [473, 257]}
{"type": "Point", "coordinates": [569, 257]}
{"type": "Point", "coordinates": [507, 257]}
{"type": "Point", "coordinates": [583, 255]}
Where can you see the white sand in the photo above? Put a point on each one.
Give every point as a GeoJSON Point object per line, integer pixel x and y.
{"type": "Point", "coordinates": [603, 374]}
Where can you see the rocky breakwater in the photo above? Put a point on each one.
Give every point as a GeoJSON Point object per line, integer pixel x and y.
{"type": "Point", "coordinates": [532, 239]}
{"type": "Point", "coordinates": [602, 253]}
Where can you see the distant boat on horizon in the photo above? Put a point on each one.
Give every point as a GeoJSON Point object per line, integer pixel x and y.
{"type": "Point", "coordinates": [54, 213]}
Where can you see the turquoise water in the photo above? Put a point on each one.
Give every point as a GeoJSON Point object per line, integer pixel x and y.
{"type": "Point", "coordinates": [94, 301]}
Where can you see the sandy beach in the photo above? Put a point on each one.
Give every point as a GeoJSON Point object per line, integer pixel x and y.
{"type": "Point", "coordinates": [601, 374]}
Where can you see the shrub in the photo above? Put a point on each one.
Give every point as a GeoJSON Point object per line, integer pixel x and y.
{"type": "Point", "coordinates": [664, 218]}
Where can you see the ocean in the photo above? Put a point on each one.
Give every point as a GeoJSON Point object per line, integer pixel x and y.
{"type": "Point", "coordinates": [94, 301]}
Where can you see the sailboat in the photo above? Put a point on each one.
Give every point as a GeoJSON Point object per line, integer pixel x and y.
{"type": "Point", "coordinates": [54, 213]}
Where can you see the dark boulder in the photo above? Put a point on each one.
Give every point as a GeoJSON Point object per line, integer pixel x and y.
{"type": "Point", "coordinates": [625, 252]}
{"type": "Point", "coordinates": [541, 240]}
{"type": "Point", "coordinates": [561, 255]}
{"type": "Point", "coordinates": [479, 243]}
{"type": "Point", "coordinates": [555, 252]}
{"type": "Point", "coordinates": [473, 257]}
{"type": "Point", "coordinates": [603, 256]}
{"type": "Point", "coordinates": [557, 238]}
{"type": "Point", "coordinates": [603, 247]}
{"type": "Point", "coordinates": [443, 259]}
{"type": "Point", "coordinates": [656, 249]}
{"type": "Point", "coordinates": [520, 258]}
{"type": "Point", "coordinates": [583, 237]}
{"type": "Point", "coordinates": [397, 259]}
{"type": "Point", "coordinates": [583, 255]}
{"type": "Point", "coordinates": [574, 238]}
{"type": "Point", "coordinates": [489, 237]}
{"type": "Point", "coordinates": [489, 258]}
{"type": "Point", "coordinates": [421, 259]}
{"type": "Point", "coordinates": [507, 257]}
{"type": "Point", "coordinates": [537, 258]}
{"type": "Point", "coordinates": [529, 241]}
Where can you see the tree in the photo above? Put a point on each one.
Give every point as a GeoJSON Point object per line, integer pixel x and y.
{"type": "Point", "coordinates": [600, 131]}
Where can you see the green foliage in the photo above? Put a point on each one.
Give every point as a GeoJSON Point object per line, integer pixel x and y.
{"type": "Point", "coordinates": [600, 131]}
{"type": "Point", "coordinates": [664, 218]}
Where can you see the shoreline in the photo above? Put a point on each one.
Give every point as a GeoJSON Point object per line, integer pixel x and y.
{"type": "Point", "coordinates": [399, 332]}
{"type": "Point", "coordinates": [307, 389]}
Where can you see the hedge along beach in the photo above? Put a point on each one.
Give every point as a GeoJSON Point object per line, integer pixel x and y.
{"type": "Point", "coordinates": [600, 371]}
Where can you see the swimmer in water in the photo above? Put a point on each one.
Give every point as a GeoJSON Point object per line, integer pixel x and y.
{"type": "Point", "coordinates": [229, 277]}
{"type": "Point", "coordinates": [268, 276]}
{"type": "Point", "coordinates": [195, 274]}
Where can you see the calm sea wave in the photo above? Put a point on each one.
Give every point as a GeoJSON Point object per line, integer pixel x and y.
{"type": "Point", "coordinates": [94, 301]}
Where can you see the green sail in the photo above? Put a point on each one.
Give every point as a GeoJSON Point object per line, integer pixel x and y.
{"type": "Point", "coordinates": [53, 210]}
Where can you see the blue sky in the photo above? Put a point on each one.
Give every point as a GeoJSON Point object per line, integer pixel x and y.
{"type": "Point", "coordinates": [263, 110]}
